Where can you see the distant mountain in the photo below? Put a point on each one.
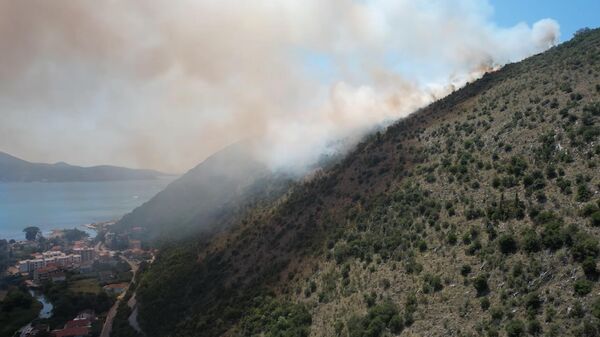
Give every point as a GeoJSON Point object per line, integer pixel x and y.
{"type": "Point", "coordinates": [13, 169]}
{"type": "Point", "coordinates": [207, 197]}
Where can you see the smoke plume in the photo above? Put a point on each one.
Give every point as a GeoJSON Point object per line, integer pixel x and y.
{"type": "Point", "coordinates": [162, 84]}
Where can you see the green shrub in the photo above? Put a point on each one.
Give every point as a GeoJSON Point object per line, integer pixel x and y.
{"type": "Point", "coordinates": [497, 313]}
{"type": "Point", "coordinates": [582, 287]}
{"type": "Point", "coordinates": [534, 327]}
{"type": "Point", "coordinates": [589, 267]}
{"type": "Point", "coordinates": [507, 244]}
{"type": "Point", "coordinates": [481, 285]}
{"type": "Point", "coordinates": [422, 245]}
{"type": "Point", "coordinates": [552, 235]}
{"type": "Point", "coordinates": [275, 318]}
{"type": "Point", "coordinates": [595, 219]}
{"type": "Point", "coordinates": [583, 193]}
{"type": "Point", "coordinates": [452, 238]}
{"type": "Point", "coordinates": [595, 310]}
{"type": "Point", "coordinates": [584, 246]}
{"type": "Point", "coordinates": [379, 318]}
{"type": "Point", "coordinates": [485, 303]}
{"type": "Point", "coordinates": [432, 283]}
{"type": "Point", "coordinates": [515, 328]}
{"type": "Point", "coordinates": [465, 270]}
{"type": "Point", "coordinates": [396, 324]}
{"type": "Point", "coordinates": [533, 302]}
{"type": "Point", "coordinates": [531, 241]}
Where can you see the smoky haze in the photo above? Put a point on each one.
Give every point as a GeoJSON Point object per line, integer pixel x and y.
{"type": "Point", "coordinates": [161, 84]}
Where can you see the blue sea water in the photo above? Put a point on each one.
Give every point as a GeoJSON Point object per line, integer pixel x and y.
{"type": "Point", "coordinates": [69, 205]}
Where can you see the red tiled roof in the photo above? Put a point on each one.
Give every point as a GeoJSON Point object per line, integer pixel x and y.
{"type": "Point", "coordinates": [78, 323]}
{"type": "Point", "coordinates": [116, 286]}
{"type": "Point", "coordinates": [72, 332]}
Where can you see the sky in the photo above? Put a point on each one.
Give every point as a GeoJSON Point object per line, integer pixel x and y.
{"type": "Point", "coordinates": [163, 85]}
{"type": "Point", "coordinates": [571, 15]}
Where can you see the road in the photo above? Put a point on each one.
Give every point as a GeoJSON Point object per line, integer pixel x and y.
{"type": "Point", "coordinates": [108, 323]}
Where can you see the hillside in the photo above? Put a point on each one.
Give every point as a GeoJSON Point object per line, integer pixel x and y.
{"type": "Point", "coordinates": [476, 216]}
{"type": "Point", "coordinates": [211, 193]}
{"type": "Point", "coordinates": [13, 169]}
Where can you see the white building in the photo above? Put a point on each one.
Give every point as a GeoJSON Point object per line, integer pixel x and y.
{"type": "Point", "coordinates": [48, 258]}
{"type": "Point", "coordinates": [87, 254]}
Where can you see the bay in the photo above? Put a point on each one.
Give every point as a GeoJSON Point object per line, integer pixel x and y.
{"type": "Point", "coordinates": [71, 204]}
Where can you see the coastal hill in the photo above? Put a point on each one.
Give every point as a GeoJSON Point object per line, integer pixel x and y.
{"type": "Point", "coordinates": [212, 193]}
{"type": "Point", "coordinates": [13, 169]}
{"type": "Point", "coordinates": [478, 215]}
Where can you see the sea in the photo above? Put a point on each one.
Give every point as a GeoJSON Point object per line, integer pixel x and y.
{"type": "Point", "coordinates": [70, 204]}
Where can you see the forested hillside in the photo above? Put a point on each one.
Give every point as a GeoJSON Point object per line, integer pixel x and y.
{"type": "Point", "coordinates": [476, 216]}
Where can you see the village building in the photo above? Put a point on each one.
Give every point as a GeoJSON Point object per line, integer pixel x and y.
{"type": "Point", "coordinates": [45, 259]}
{"type": "Point", "coordinates": [87, 254]}
{"type": "Point", "coordinates": [115, 288]}
{"type": "Point", "coordinates": [49, 273]}
{"type": "Point", "coordinates": [80, 326]}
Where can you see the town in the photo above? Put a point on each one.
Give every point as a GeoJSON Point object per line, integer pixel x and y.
{"type": "Point", "coordinates": [70, 284]}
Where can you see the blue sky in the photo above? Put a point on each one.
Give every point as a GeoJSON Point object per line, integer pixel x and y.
{"type": "Point", "coordinates": [571, 15]}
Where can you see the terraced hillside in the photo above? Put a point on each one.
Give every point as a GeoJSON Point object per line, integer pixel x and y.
{"type": "Point", "coordinates": [477, 216]}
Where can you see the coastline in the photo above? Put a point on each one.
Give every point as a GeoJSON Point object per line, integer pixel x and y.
{"type": "Point", "coordinates": [52, 206]}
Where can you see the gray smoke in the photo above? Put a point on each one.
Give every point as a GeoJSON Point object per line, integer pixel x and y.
{"type": "Point", "coordinates": [163, 85]}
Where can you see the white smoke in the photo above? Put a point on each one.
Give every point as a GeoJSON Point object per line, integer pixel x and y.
{"type": "Point", "coordinates": [165, 84]}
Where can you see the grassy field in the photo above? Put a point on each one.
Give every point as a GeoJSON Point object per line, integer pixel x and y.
{"type": "Point", "coordinates": [89, 286]}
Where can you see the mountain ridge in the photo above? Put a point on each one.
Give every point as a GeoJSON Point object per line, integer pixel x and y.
{"type": "Point", "coordinates": [14, 169]}
{"type": "Point", "coordinates": [477, 215]}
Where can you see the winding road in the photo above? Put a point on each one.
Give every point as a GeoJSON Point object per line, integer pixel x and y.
{"type": "Point", "coordinates": [108, 323]}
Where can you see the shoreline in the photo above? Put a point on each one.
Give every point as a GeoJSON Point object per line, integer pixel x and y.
{"type": "Point", "coordinates": [90, 228]}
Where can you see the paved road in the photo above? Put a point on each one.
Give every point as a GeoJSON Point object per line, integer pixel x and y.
{"type": "Point", "coordinates": [107, 327]}
{"type": "Point", "coordinates": [108, 323]}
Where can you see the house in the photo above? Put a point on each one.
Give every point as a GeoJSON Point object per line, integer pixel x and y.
{"type": "Point", "coordinates": [78, 331]}
{"type": "Point", "coordinates": [58, 277]}
{"type": "Point", "coordinates": [47, 273]}
{"type": "Point", "coordinates": [115, 288]}
{"type": "Point", "coordinates": [47, 258]}
{"type": "Point", "coordinates": [80, 326]}
{"type": "Point", "coordinates": [87, 254]}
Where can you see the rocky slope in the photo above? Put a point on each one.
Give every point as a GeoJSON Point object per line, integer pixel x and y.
{"type": "Point", "coordinates": [478, 215]}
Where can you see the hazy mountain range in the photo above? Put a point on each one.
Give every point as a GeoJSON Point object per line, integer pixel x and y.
{"type": "Point", "coordinates": [13, 169]}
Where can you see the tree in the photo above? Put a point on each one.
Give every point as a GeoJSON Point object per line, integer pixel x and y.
{"type": "Point", "coordinates": [508, 244]}
{"type": "Point", "coordinates": [481, 285]}
{"type": "Point", "coordinates": [582, 31]}
{"type": "Point", "coordinates": [582, 287]}
{"type": "Point", "coordinates": [74, 234]}
{"type": "Point", "coordinates": [595, 219]}
{"type": "Point", "coordinates": [515, 328]}
{"type": "Point", "coordinates": [32, 232]}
